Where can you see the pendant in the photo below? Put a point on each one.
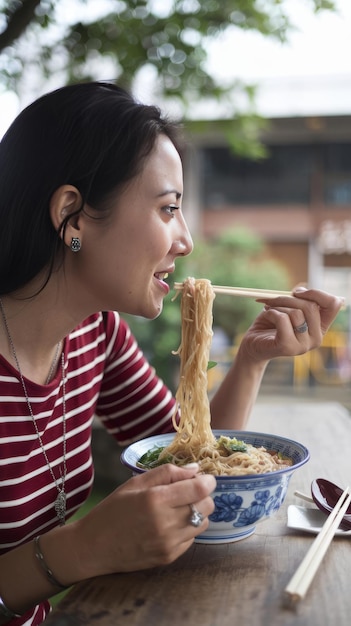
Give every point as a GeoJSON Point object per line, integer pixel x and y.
{"type": "Point", "coordinates": [60, 507]}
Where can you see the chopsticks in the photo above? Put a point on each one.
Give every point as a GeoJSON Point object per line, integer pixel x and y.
{"type": "Point", "coordinates": [303, 496]}
{"type": "Point", "coordinates": [244, 292]}
{"type": "Point", "coordinates": [301, 580]}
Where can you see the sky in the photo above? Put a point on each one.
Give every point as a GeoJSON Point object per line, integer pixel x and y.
{"type": "Point", "coordinates": [310, 74]}
{"type": "Point", "coordinates": [320, 45]}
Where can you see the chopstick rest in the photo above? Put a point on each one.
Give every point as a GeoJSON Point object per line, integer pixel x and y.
{"type": "Point", "coordinates": [301, 580]}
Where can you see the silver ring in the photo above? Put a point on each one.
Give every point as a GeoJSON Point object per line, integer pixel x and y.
{"type": "Point", "coordinates": [301, 329]}
{"type": "Point", "coordinates": [196, 517]}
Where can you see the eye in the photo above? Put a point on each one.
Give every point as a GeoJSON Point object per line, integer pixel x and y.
{"type": "Point", "coordinates": [170, 208]}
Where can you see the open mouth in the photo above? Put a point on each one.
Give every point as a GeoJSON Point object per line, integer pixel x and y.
{"type": "Point", "coordinates": [161, 275]}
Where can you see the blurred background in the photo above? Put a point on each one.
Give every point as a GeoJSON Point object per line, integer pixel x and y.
{"type": "Point", "coordinates": [263, 88]}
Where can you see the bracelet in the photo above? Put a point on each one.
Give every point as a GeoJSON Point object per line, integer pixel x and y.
{"type": "Point", "coordinates": [6, 613]}
{"type": "Point", "coordinates": [49, 575]}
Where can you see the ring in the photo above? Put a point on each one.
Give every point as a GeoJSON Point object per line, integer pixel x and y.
{"type": "Point", "coordinates": [196, 517]}
{"type": "Point", "coordinates": [301, 329]}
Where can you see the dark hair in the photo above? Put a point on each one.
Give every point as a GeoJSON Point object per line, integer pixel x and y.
{"type": "Point", "coordinates": [91, 135]}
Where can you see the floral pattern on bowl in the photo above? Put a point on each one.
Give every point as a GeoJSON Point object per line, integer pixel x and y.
{"type": "Point", "coordinates": [229, 507]}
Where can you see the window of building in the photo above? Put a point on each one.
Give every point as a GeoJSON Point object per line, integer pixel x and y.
{"type": "Point", "coordinates": [282, 178]}
{"type": "Point", "coordinates": [337, 168]}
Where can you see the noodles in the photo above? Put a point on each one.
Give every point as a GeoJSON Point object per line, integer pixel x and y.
{"type": "Point", "coordinates": [194, 439]}
{"type": "Point", "coordinates": [194, 435]}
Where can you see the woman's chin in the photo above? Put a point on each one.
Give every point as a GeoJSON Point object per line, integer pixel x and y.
{"type": "Point", "coordinates": [151, 312]}
{"type": "Point", "coordinates": [157, 312]}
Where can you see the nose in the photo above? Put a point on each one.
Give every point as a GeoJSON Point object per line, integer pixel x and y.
{"type": "Point", "coordinates": [183, 244]}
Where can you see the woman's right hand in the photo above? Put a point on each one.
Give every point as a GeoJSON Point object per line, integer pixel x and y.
{"type": "Point", "coordinates": [144, 522]}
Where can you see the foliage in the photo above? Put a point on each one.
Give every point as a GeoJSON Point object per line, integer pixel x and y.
{"type": "Point", "coordinates": [237, 258]}
{"type": "Point", "coordinates": [75, 40]}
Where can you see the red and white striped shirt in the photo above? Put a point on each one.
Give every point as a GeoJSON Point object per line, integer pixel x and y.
{"type": "Point", "coordinates": [106, 375]}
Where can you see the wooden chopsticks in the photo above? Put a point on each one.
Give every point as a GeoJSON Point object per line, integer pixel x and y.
{"type": "Point", "coordinates": [303, 496]}
{"type": "Point", "coordinates": [244, 292]}
{"type": "Point", "coordinates": [301, 580]}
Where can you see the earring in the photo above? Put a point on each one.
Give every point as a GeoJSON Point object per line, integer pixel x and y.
{"type": "Point", "coordinates": [75, 244]}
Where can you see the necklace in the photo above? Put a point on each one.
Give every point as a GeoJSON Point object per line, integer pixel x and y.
{"type": "Point", "coordinates": [60, 502]}
{"type": "Point", "coordinates": [53, 364]}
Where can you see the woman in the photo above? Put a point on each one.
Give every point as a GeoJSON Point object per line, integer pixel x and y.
{"type": "Point", "coordinates": [90, 201]}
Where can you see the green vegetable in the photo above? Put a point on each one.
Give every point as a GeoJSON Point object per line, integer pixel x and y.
{"type": "Point", "coordinates": [233, 445]}
{"type": "Point", "coordinates": [151, 458]}
{"type": "Point", "coordinates": [211, 364]}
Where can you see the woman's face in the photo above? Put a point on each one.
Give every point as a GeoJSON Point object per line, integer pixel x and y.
{"type": "Point", "coordinates": [125, 258]}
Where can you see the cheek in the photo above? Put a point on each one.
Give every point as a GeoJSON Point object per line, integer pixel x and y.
{"type": "Point", "coordinates": [134, 247]}
{"type": "Point", "coordinates": [153, 242]}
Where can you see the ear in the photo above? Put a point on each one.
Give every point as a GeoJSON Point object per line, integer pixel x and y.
{"type": "Point", "coordinates": [65, 201]}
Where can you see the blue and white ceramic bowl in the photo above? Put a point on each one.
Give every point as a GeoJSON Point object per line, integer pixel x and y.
{"type": "Point", "coordinates": [241, 502]}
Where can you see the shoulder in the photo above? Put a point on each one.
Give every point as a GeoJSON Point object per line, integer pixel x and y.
{"type": "Point", "coordinates": [105, 328]}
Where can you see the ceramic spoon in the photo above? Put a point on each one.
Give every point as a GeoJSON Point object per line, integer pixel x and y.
{"type": "Point", "coordinates": [325, 494]}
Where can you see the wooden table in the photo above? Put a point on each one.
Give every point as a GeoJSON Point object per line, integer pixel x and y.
{"type": "Point", "coordinates": [240, 583]}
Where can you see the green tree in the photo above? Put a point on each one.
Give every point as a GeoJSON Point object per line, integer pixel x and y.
{"type": "Point", "coordinates": [76, 40]}
{"type": "Point", "coordinates": [238, 258]}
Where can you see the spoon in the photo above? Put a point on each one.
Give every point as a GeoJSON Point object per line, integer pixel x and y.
{"type": "Point", "coordinates": [325, 494]}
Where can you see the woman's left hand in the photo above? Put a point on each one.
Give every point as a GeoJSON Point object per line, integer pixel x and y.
{"type": "Point", "coordinates": [289, 326]}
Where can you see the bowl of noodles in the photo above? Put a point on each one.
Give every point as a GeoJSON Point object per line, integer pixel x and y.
{"type": "Point", "coordinates": [252, 471]}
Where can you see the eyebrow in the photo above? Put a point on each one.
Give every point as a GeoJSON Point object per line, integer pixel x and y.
{"type": "Point", "coordinates": [168, 192]}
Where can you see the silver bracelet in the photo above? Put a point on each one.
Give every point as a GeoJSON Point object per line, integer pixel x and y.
{"type": "Point", "coordinates": [49, 575]}
{"type": "Point", "coordinates": [5, 614]}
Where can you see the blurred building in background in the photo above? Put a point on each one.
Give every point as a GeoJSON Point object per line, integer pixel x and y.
{"type": "Point", "coordinates": [298, 199]}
